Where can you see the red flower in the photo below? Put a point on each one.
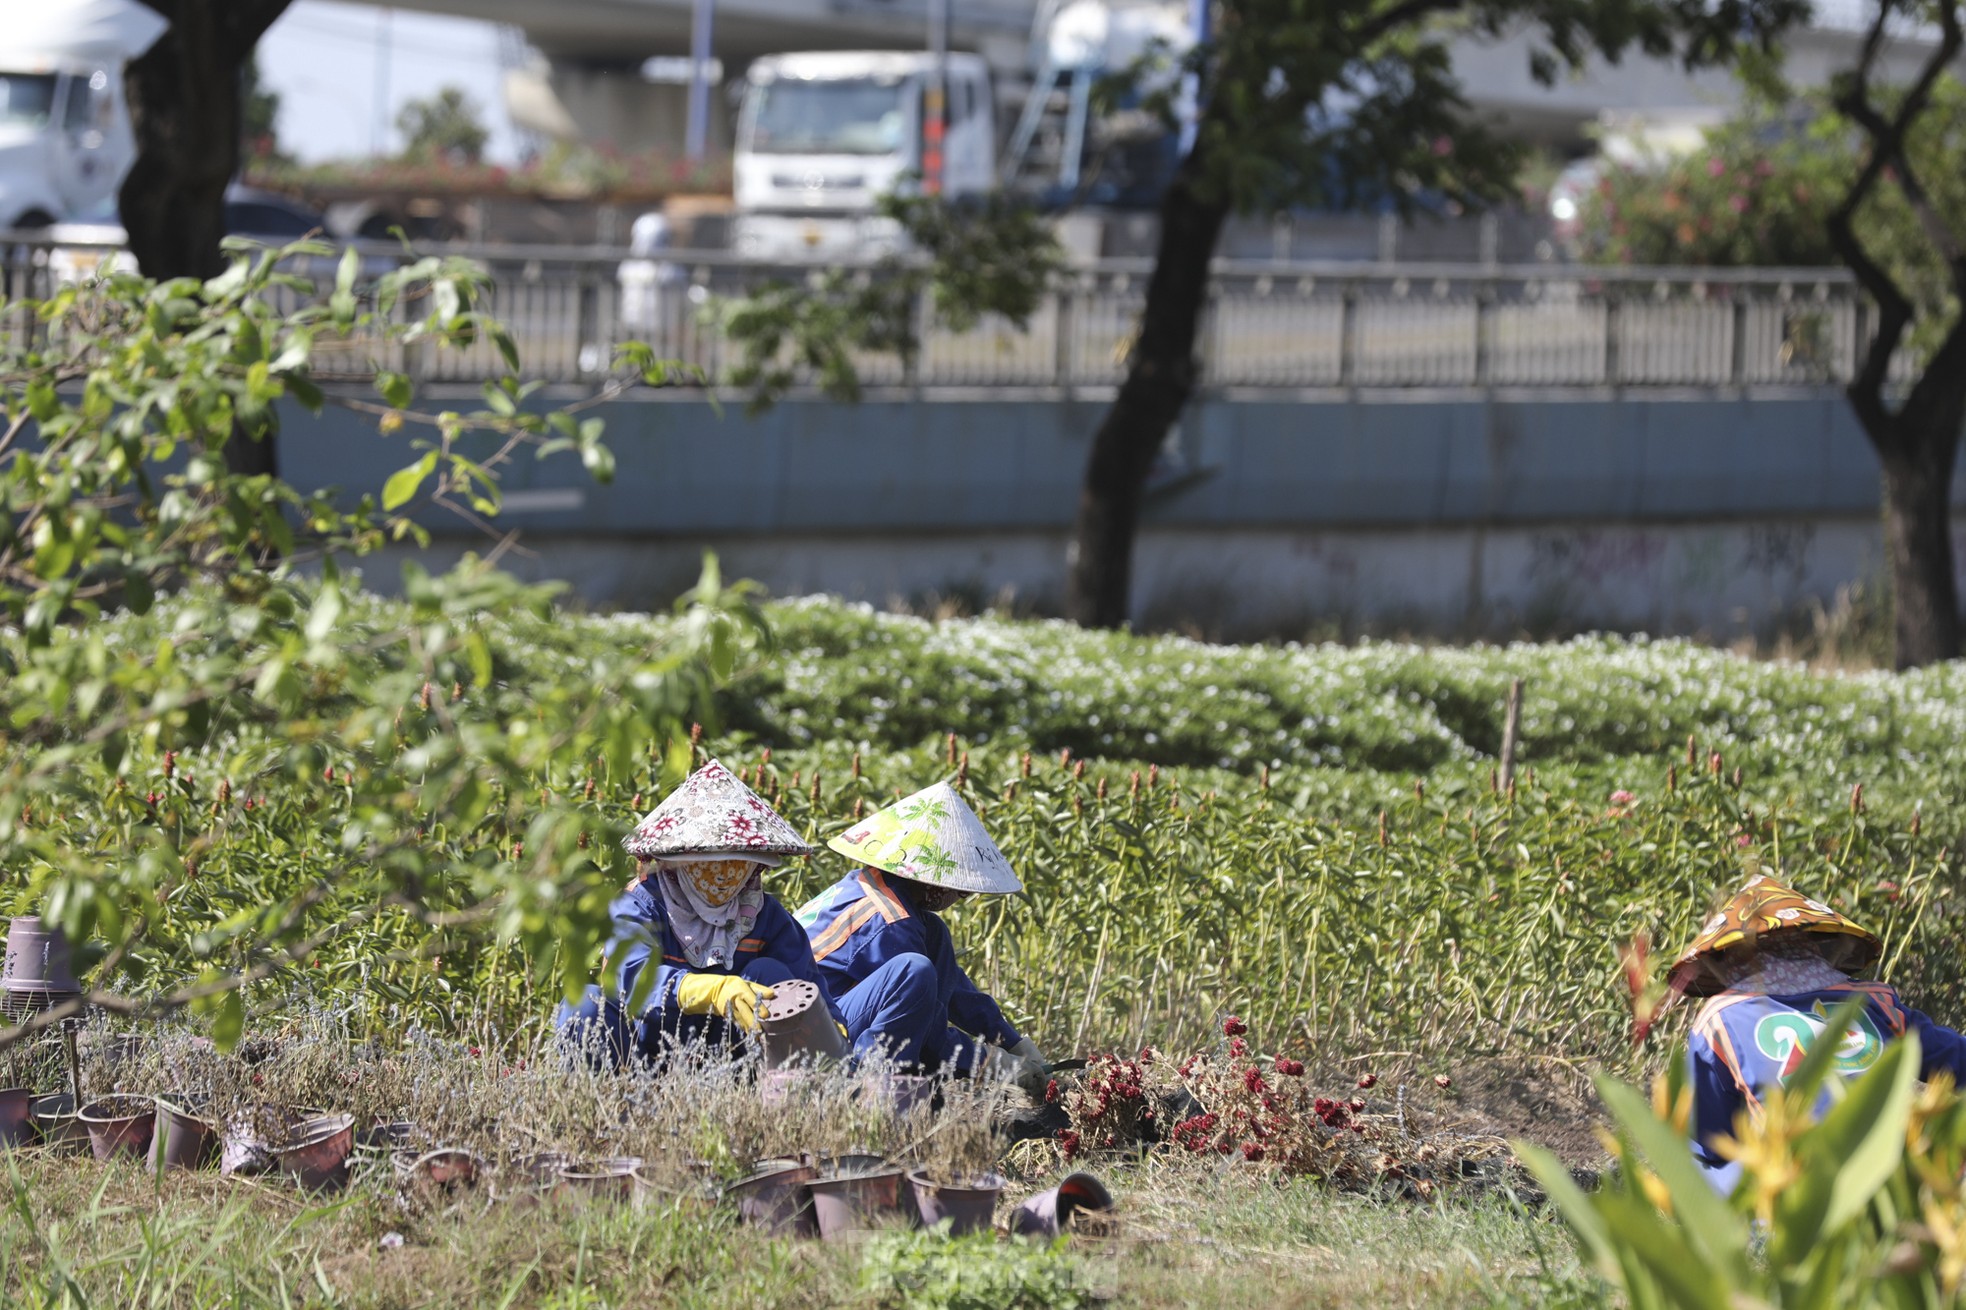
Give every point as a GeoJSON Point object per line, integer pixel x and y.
{"type": "Point", "coordinates": [1234, 1027]}
{"type": "Point", "coordinates": [1367, 1079]}
{"type": "Point", "coordinates": [1290, 1068]}
{"type": "Point", "coordinates": [1068, 1141]}
{"type": "Point", "coordinates": [1252, 1079]}
{"type": "Point", "coordinates": [1252, 1151]}
{"type": "Point", "coordinates": [1238, 1047]}
{"type": "Point", "coordinates": [1051, 1092]}
{"type": "Point", "coordinates": [1442, 1081]}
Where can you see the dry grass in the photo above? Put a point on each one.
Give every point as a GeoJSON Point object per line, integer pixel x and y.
{"type": "Point", "coordinates": [1193, 1231]}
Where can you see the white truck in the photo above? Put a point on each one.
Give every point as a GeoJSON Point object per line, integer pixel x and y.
{"type": "Point", "coordinates": [65, 138]}
{"type": "Point", "coordinates": [822, 136]}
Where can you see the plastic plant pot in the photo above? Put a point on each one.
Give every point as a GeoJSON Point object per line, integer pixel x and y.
{"type": "Point", "coordinates": [853, 1203]}
{"type": "Point", "coordinates": [776, 1198]}
{"type": "Point", "coordinates": [437, 1174]}
{"type": "Point", "coordinates": [315, 1154]}
{"type": "Point", "coordinates": [181, 1140]}
{"type": "Point", "coordinates": [120, 1126]}
{"type": "Point", "coordinates": [57, 1125]}
{"type": "Point", "coordinates": [1050, 1213]}
{"type": "Point", "coordinates": [37, 962]}
{"type": "Point", "coordinates": [16, 1116]}
{"type": "Point", "coordinates": [610, 1182]}
{"type": "Point", "coordinates": [392, 1137]}
{"type": "Point", "coordinates": [968, 1207]}
{"type": "Point", "coordinates": [243, 1144]}
{"type": "Point", "coordinates": [798, 1028]}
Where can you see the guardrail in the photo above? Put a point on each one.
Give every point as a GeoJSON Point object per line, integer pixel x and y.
{"type": "Point", "coordinates": [1268, 326]}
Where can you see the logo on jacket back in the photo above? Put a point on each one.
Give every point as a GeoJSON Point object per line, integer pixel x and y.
{"type": "Point", "coordinates": [1786, 1036]}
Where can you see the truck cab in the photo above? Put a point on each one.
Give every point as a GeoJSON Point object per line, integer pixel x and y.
{"type": "Point", "coordinates": [65, 138]}
{"type": "Point", "coordinates": [822, 136]}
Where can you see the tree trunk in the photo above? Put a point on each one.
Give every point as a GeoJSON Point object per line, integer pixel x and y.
{"type": "Point", "coordinates": [1918, 536]}
{"type": "Point", "coordinates": [1160, 376]}
{"type": "Point", "coordinates": [183, 95]}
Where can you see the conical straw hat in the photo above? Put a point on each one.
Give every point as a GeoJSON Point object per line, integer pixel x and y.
{"type": "Point", "coordinates": [713, 813]}
{"type": "Point", "coordinates": [1762, 908]}
{"type": "Point", "coordinates": [933, 837]}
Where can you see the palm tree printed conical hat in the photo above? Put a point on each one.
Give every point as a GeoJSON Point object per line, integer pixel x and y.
{"type": "Point", "coordinates": [713, 813]}
{"type": "Point", "coordinates": [934, 837]}
{"type": "Point", "coordinates": [1761, 908]}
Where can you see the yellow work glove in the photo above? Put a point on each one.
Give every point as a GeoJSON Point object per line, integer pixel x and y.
{"type": "Point", "coordinates": [736, 999]}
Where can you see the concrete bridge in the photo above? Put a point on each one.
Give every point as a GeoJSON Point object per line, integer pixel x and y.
{"type": "Point", "coordinates": [595, 50]}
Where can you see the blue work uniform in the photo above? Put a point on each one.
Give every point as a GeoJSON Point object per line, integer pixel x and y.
{"type": "Point", "coordinates": [891, 968]}
{"type": "Point", "coordinates": [776, 951]}
{"type": "Point", "coordinates": [1744, 1043]}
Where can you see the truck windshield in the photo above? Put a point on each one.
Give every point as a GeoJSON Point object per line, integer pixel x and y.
{"type": "Point", "coordinates": [838, 116]}
{"type": "Point", "coordinates": [27, 98]}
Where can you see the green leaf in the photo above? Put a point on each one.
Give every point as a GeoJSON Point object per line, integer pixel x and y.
{"type": "Point", "coordinates": [402, 485]}
{"type": "Point", "coordinates": [395, 389]}
{"type": "Point", "coordinates": [230, 1021]}
{"type": "Point", "coordinates": [1711, 1224]}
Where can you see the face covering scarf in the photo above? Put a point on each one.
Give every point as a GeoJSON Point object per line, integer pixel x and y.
{"type": "Point", "coordinates": [712, 906]}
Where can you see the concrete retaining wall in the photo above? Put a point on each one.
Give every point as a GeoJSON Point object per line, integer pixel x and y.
{"type": "Point", "coordinates": [1447, 513]}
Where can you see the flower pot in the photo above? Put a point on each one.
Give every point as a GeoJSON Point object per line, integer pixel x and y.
{"type": "Point", "coordinates": [392, 1137]}
{"type": "Point", "coordinates": [968, 1207]}
{"type": "Point", "coordinates": [432, 1175]}
{"type": "Point", "coordinates": [851, 1203]}
{"type": "Point", "coordinates": [37, 960]}
{"type": "Point", "coordinates": [182, 1140]}
{"type": "Point", "coordinates": [776, 1198]}
{"type": "Point", "coordinates": [608, 1182]}
{"type": "Point", "coordinates": [798, 1028]}
{"type": "Point", "coordinates": [16, 1116]}
{"type": "Point", "coordinates": [1050, 1213]}
{"type": "Point", "coordinates": [243, 1144]}
{"type": "Point", "coordinates": [315, 1154]}
{"type": "Point", "coordinates": [120, 1125]}
{"type": "Point", "coordinates": [57, 1125]}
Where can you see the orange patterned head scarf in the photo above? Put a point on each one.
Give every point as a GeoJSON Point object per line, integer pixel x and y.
{"type": "Point", "coordinates": [1760, 909]}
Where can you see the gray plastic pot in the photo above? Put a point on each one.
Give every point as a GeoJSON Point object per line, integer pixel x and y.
{"type": "Point", "coordinates": [16, 1116]}
{"type": "Point", "coordinates": [851, 1203]}
{"type": "Point", "coordinates": [776, 1199]}
{"type": "Point", "coordinates": [181, 1139]}
{"type": "Point", "coordinates": [969, 1207]}
{"type": "Point", "coordinates": [120, 1126]}
{"type": "Point", "coordinates": [57, 1125]}
{"type": "Point", "coordinates": [315, 1154]}
{"type": "Point", "coordinates": [1050, 1213]}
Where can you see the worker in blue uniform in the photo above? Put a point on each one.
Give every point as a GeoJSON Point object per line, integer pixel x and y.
{"type": "Point", "coordinates": [1773, 966]}
{"type": "Point", "coordinates": [886, 957]}
{"type": "Point", "coordinates": [698, 942]}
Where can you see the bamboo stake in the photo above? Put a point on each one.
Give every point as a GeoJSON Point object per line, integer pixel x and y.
{"type": "Point", "coordinates": [1511, 725]}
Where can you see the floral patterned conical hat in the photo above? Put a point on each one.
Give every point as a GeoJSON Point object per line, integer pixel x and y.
{"type": "Point", "coordinates": [713, 813]}
{"type": "Point", "coordinates": [934, 837]}
{"type": "Point", "coordinates": [1761, 908]}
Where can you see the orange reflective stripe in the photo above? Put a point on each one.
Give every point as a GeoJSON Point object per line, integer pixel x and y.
{"type": "Point", "coordinates": [751, 944]}
{"type": "Point", "coordinates": [841, 930]}
{"type": "Point", "coordinates": [1707, 1023]}
{"type": "Point", "coordinates": [890, 905]}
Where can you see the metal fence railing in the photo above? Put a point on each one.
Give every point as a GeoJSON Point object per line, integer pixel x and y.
{"type": "Point", "coordinates": [1275, 326]}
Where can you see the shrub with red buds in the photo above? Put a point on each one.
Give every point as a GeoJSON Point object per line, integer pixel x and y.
{"type": "Point", "coordinates": [1234, 1027]}
{"type": "Point", "coordinates": [1367, 1079]}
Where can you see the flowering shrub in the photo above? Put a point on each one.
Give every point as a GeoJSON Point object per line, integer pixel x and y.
{"type": "Point", "coordinates": [1234, 1104]}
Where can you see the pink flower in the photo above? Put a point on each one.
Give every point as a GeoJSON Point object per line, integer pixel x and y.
{"type": "Point", "coordinates": [1738, 203]}
{"type": "Point", "coordinates": [1443, 146]}
{"type": "Point", "coordinates": [1234, 1027]}
{"type": "Point", "coordinates": [1622, 797]}
{"type": "Point", "coordinates": [1715, 167]}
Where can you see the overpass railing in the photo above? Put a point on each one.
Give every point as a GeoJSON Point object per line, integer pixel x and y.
{"type": "Point", "coordinates": [1267, 326]}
